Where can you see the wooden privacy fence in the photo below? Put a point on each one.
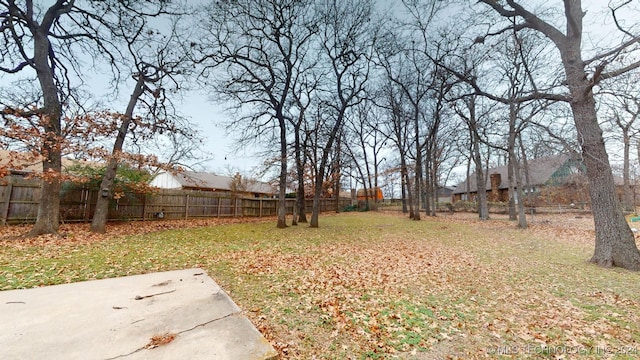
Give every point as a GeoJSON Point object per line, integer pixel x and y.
{"type": "Point", "coordinates": [19, 200]}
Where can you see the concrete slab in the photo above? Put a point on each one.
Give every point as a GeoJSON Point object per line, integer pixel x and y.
{"type": "Point", "coordinates": [117, 318]}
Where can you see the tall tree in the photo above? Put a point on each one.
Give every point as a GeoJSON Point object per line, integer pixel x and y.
{"type": "Point", "coordinates": [157, 68]}
{"type": "Point", "coordinates": [346, 40]}
{"type": "Point", "coordinates": [48, 40]}
{"type": "Point", "coordinates": [417, 82]}
{"type": "Point", "coordinates": [253, 51]}
{"type": "Point", "coordinates": [363, 133]}
{"type": "Point", "coordinates": [621, 109]}
{"type": "Point", "coordinates": [305, 86]}
{"type": "Point", "coordinates": [614, 244]}
{"type": "Point", "coordinates": [397, 128]}
{"type": "Point", "coordinates": [467, 109]}
{"type": "Point", "coordinates": [521, 57]}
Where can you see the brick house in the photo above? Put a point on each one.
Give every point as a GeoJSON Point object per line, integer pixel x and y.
{"type": "Point", "coordinates": [552, 180]}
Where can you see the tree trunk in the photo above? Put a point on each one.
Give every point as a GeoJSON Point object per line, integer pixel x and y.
{"type": "Point", "coordinates": [409, 192]}
{"type": "Point", "coordinates": [627, 193]}
{"type": "Point", "coordinates": [512, 165]}
{"type": "Point", "coordinates": [100, 217]}
{"type": "Point", "coordinates": [315, 209]}
{"type": "Point", "coordinates": [300, 198]}
{"type": "Point", "coordinates": [337, 174]}
{"type": "Point", "coordinates": [483, 206]}
{"type": "Point", "coordinates": [433, 186]}
{"type": "Point", "coordinates": [315, 214]}
{"type": "Point", "coordinates": [418, 166]}
{"type": "Point", "coordinates": [282, 205]}
{"type": "Point", "coordinates": [403, 190]}
{"type": "Point", "coordinates": [519, 192]}
{"type": "Point", "coordinates": [48, 218]}
{"type": "Point", "coordinates": [615, 243]}
{"type": "Point", "coordinates": [428, 185]}
{"type": "Point", "coordinates": [294, 221]}
{"type": "Point", "coordinates": [512, 187]}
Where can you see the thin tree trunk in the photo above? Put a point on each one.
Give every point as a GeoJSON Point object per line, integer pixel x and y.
{"type": "Point", "coordinates": [519, 194]}
{"type": "Point", "coordinates": [282, 204]}
{"type": "Point", "coordinates": [300, 195]}
{"type": "Point", "coordinates": [483, 206]}
{"type": "Point", "coordinates": [405, 174]}
{"type": "Point", "coordinates": [512, 188]}
{"type": "Point", "coordinates": [418, 166]}
{"type": "Point", "coordinates": [403, 189]}
{"type": "Point", "coordinates": [100, 217]}
{"type": "Point", "coordinates": [626, 186]}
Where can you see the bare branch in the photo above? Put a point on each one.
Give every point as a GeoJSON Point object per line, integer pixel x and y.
{"type": "Point", "coordinates": [531, 20]}
{"type": "Point", "coordinates": [615, 51]}
{"type": "Point", "coordinates": [615, 17]}
{"type": "Point", "coordinates": [617, 72]}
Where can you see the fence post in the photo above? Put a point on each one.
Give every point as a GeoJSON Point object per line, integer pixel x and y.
{"type": "Point", "coordinates": [235, 206]}
{"type": "Point", "coordinates": [86, 202]}
{"type": "Point", "coordinates": [144, 207]}
{"type": "Point", "coordinates": [219, 204]}
{"type": "Point", "coordinates": [260, 208]}
{"type": "Point", "coordinates": [6, 202]}
{"type": "Point", "coordinates": [186, 208]}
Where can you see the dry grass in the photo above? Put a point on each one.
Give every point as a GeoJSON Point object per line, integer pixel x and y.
{"type": "Point", "coordinates": [371, 285]}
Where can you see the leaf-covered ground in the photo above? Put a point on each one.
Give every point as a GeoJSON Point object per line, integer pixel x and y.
{"type": "Point", "coordinates": [372, 285]}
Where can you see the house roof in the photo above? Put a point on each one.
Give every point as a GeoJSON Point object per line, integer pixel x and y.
{"type": "Point", "coordinates": [191, 179]}
{"type": "Point", "coordinates": [29, 163]}
{"type": "Point", "coordinates": [541, 171]}
{"type": "Point", "coordinates": [445, 190]}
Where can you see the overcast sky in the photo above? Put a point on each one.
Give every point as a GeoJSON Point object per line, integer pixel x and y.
{"type": "Point", "coordinates": [208, 116]}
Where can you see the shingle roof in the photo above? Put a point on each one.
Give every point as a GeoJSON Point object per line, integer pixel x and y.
{"type": "Point", "coordinates": [211, 181]}
{"type": "Point", "coordinates": [540, 171]}
{"type": "Point", "coordinates": [27, 162]}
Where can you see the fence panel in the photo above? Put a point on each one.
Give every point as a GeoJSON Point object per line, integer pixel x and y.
{"type": "Point", "coordinates": [19, 200]}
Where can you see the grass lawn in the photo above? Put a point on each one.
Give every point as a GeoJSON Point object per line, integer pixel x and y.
{"type": "Point", "coordinates": [372, 285]}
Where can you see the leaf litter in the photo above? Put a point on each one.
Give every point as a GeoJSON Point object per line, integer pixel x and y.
{"type": "Point", "coordinates": [371, 285]}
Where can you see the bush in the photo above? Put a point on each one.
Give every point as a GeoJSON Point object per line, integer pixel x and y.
{"type": "Point", "coordinates": [349, 208]}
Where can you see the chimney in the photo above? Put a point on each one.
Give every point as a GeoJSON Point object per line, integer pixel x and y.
{"type": "Point", "coordinates": [495, 186]}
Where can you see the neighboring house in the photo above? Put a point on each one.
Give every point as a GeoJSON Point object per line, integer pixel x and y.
{"type": "Point", "coordinates": [189, 180]}
{"type": "Point", "coordinates": [374, 194]}
{"type": "Point", "coordinates": [556, 179]}
{"type": "Point", "coordinates": [22, 164]}
{"type": "Point", "coordinates": [445, 194]}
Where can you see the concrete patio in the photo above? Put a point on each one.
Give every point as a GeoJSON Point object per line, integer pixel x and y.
{"type": "Point", "coordinates": [180, 314]}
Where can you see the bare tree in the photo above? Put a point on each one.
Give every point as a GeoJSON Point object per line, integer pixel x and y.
{"type": "Point", "coordinates": [158, 67]}
{"type": "Point", "coordinates": [367, 141]}
{"type": "Point", "coordinates": [346, 39]}
{"type": "Point", "coordinates": [305, 86]}
{"type": "Point", "coordinates": [621, 109]}
{"type": "Point", "coordinates": [252, 51]}
{"type": "Point", "coordinates": [474, 111]}
{"type": "Point", "coordinates": [48, 40]}
{"type": "Point", "coordinates": [417, 82]}
{"type": "Point", "coordinates": [397, 129]}
{"type": "Point", "coordinates": [467, 109]}
{"type": "Point", "coordinates": [614, 243]}
{"type": "Point", "coordinates": [522, 56]}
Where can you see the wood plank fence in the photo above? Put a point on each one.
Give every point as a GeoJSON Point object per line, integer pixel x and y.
{"type": "Point", "coordinates": [19, 200]}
